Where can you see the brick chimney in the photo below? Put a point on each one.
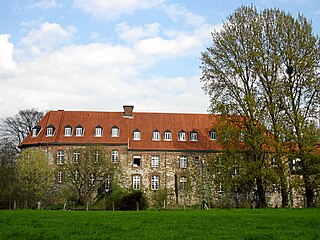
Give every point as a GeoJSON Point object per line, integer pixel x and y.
{"type": "Point", "coordinates": [128, 111]}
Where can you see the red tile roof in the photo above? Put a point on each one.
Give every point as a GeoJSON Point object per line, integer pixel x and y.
{"type": "Point", "coordinates": [145, 122]}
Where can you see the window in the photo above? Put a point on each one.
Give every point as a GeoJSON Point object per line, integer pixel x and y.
{"type": "Point", "coordinates": [183, 162]}
{"type": "Point", "coordinates": [136, 161]}
{"type": "Point", "coordinates": [79, 131]}
{"type": "Point", "coordinates": [183, 183]}
{"type": "Point", "coordinates": [92, 179]}
{"type": "Point", "coordinates": [75, 176]}
{"type": "Point", "coordinates": [98, 131]}
{"type": "Point", "coordinates": [155, 183]}
{"type": "Point", "coordinates": [136, 182]}
{"type": "Point", "coordinates": [97, 156]}
{"type": "Point", "coordinates": [68, 131]}
{"type": "Point", "coordinates": [107, 183]}
{"type": "Point", "coordinates": [154, 161]}
{"type": "Point", "coordinates": [213, 135]}
{"type": "Point", "coordinates": [115, 156]}
{"type": "Point", "coordinates": [50, 131]}
{"type": "Point", "coordinates": [167, 135]}
{"type": "Point", "coordinates": [296, 166]}
{"type": "Point", "coordinates": [156, 135]}
{"type": "Point", "coordinates": [60, 176]}
{"type": "Point", "coordinates": [193, 136]}
{"type": "Point", "coordinates": [36, 130]}
{"type": "Point", "coordinates": [60, 156]}
{"type": "Point", "coordinates": [182, 136]}
{"type": "Point", "coordinates": [115, 132]}
{"type": "Point", "coordinates": [136, 134]}
{"type": "Point", "coordinates": [76, 156]}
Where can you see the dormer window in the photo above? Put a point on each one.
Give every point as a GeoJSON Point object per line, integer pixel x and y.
{"type": "Point", "coordinates": [213, 134]}
{"type": "Point", "coordinates": [194, 136]}
{"type": "Point", "coordinates": [79, 131]}
{"type": "Point", "coordinates": [156, 135]}
{"type": "Point", "coordinates": [182, 136]}
{"type": "Point", "coordinates": [136, 134]}
{"type": "Point", "coordinates": [167, 135]}
{"type": "Point", "coordinates": [115, 131]}
{"type": "Point", "coordinates": [50, 130]}
{"type": "Point", "coordinates": [68, 131]}
{"type": "Point", "coordinates": [36, 130]}
{"type": "Point", "coordinates": [98, 131]}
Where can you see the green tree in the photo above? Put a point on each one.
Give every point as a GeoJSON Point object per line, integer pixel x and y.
{"type": "Point", "coordinates": [264, 66]}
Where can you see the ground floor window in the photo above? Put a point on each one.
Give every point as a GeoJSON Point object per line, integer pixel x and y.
{"type": "Point", "coordinates": [155, 182]}
{"type": "Point", "coordinates": [136, 182]}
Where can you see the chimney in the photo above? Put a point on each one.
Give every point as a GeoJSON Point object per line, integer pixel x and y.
{"type": "Point", "coordinates": [128, 111]}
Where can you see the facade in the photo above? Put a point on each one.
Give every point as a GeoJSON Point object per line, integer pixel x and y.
{"type": "Point", "coordinates": [154, 152]}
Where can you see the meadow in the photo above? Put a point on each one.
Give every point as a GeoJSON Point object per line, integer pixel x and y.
{"type": "Point", "coordinates": [165, 224]}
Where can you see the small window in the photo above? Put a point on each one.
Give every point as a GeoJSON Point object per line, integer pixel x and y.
{"type": "Point", "coordinates": [60, 176]}
{"type": "Point", "coordinates": [182, 136]}
{"type": "Point", "coordinates": [79, 131]}
{"type": "Point", "coordinates": [183, 162]}
{"type": "Point", "coordinates": [136, 134]}
{"type": "Point", "coordinates": [136, 161]}
{"type": "Point", "coordinates": [193, 136]}
{"type": "Point", "coordinates": [115, 131]}
{"type": "Point", "coordinates": [115, 156]}
{"type": "Point", "coordinates": [155, 161]}
{"type": "Point", "coordinates": [156, 135]}
{"type": "Point", "coordinates": [167, 135]}
{"type": "Point", "coordinates": [183, 183]}
{"type": "Point", "coordinates": [92, 179]}
{"type": "Point", "coordinates": [97, 156]}
{"type": "Point", "coordinates": [155, 182]}
{"type": "Point", "coordinates": [50, 131]}
{"type": "Point", "coordinates": [98, 131]}
{"type": "Point", "coordinates": [136, 182]}
{"type": "Point", "coordinates": [36, 130]}
{"type": "Point", "coordinates": [296, 166]}
{"type": "Point", "coordinates": [60, 157]}
{"type": "Point", "coordinates": [76, 156]}
{"type": "Point", "coordinates": [75, 176]}
{"type": "Point", "coordinates": [107, 183]}
{"type": "Point", "coordinates": [213, 135]}
{"type": "Point", "coordinates": [67, 131]}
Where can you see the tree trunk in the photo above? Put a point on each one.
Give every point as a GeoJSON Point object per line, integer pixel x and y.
{"type": "Point", "coordinates": [261, 194]}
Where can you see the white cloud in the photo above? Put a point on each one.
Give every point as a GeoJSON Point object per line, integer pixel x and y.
{"type": "Point", "coordinates": [45, 4]}
{"type": "Point", "coordinates": [110, 9]}
{"type": "Point", "coordinates": [6, 49]}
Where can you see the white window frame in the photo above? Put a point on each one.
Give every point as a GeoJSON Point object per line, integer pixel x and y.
{"type": "Point", "coordinates": [60, 157]}
{"type": "Point", "coordinates": [34, 132]}
{"type": "Point", "coordinates": [75, 176]}
{"type": "Point", "coordinates": [183, 161]}
{"type": "Point", "coordinates": [50, 132]}
{"type": "Point", "coordinates": [79, 131]}
{"type": "Point", "coordinates": [97, 155]}
{"type": "Point", "coordinates": [107, 183]}
{"type": "Point", "coordinates": [98, 132]}
{"type": "Point", "coordinates": [193, 136]}
{"type": "Point", "coordinates": [136, 135]}
{"type": "Point", "coordinates": [92, 179]}
{"type": "Point", "coordinates": [60, 176]}
{"type": "Point", "coordinates": [76, 156]}
{"type": "Point", "coordinates": [155, 159]}
{"type": "Point", "coordinates": [213, 135]}
{"type": "Point", "coordinates": [182, 136]}
{"type": "Point", "coordinates": [167, 136]}
{"type": "Point", "coordinates": [115, 156]}
{"type": "Point", "coordinates": [136, 182]}
{"type": "Point", "coordinates": [67, 131]}
{"type": "Point", "coordinates": [155, 182]}
{"type": "Point", "coordinates": [183, 183]}
{"type": "Point", "coordinates": [115, 132]}
{"type": "Point", "coordinates": [156, 135]}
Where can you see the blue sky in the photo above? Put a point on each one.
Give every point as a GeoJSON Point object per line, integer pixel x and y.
{"type": "Point", "coordinates": [102, 54]}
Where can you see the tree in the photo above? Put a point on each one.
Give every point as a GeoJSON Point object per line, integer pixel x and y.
{"type": "Point", "coordinates": [264, 66]}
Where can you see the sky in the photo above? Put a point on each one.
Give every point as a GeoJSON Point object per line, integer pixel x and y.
{"type": "Point", "coordinates": [98, 55]}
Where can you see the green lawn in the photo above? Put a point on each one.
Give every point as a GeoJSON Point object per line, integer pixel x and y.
{"type": "Point", "coordinates": [179, 224]}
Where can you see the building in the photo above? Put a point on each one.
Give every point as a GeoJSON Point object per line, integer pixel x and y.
{"type": "Point", "coordinates": [154, 152]}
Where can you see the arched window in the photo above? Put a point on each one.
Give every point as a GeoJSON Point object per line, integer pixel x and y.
{"type": "Point", "coordinates": [167, 135]}
{"type": "Point", "coordinates": [182, 136]}
{"type": "Point", "coordinates": [156, 135]}
{"type": "Point", "coordinates": [136, 134]}
{"type": "Point", "coordinates": [213, 134]}
{"type": "Point", "coordinates": [193, 135]}
{"type": "Point", "coordinates": [115, 131]}
{"type": "Point", "coordinates": [98, 131]}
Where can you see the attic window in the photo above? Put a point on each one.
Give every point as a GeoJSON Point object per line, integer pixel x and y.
{"type": "Point", "coordinates": [213, 135]}
{"type": "Point", "coordinates": [36, 130]}
{"type": "Point", "coordinates": [68, 130]}
{"type": "Point", "coordinates": [136, 134]}
{"type": "Point", "coordinates": [156, 135]}
{"type": "Point", "coordinates": [50, 130]}
{"type": "Point", "coordinates": [115, 131]}
{"type": "Point", "coordinates": [98, 131]}
{"type": "Point", "coordinates": [182, 136]}
{"type": "Point", "coordinates": [167, 135]}
{"type": "Point", "coordinates": [79, 131]}
{"type": "Point", "coordinates": [193, 136]}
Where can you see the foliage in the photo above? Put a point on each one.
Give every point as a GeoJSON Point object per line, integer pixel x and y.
{"type": "Point", "coordinates": [189, 224]}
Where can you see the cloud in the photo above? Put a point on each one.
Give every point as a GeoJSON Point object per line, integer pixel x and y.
{"type": "Point", "coordinates": [45, 4]}
{"type": "Point", "coordinates": [6, 49]}
{"type": "Point", "coordinates": [112, 9]}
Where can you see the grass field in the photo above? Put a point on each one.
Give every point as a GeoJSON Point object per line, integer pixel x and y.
{"type": "Point", "coordinates": [179, 224]}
